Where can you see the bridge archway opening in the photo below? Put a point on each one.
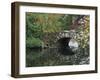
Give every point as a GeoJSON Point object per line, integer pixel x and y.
{"type": "Point", "coordinates": [64, 47]}
{"type": "Point", "coordinates": [63, 42]}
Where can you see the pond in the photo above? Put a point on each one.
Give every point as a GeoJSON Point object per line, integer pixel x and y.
{"type": "Point", "coordinates": [55, 57]}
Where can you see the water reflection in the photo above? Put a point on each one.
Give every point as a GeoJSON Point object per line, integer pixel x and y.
{"type": "Point", "coordinates": [53, 57]}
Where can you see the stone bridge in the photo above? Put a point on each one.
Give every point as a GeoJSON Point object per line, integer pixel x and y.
{"type": "Point", "coordinates": [66, 34]}
{"type": "Point", "coordinates": [66, 39]}
{"type": "Point", "coordinates": [52, 39]}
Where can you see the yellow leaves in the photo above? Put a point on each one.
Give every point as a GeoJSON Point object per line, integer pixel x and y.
{"type": "Point", "coordinates": [87, 22]}
{"type": "Point", "coordinates": [83, 33]}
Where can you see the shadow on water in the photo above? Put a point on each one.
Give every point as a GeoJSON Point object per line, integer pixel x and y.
{"type": "Point", "coordinates": [66, 51]}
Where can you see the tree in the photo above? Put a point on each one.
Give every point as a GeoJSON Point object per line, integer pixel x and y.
{"type": "Point", "coordinates": [83, 32]}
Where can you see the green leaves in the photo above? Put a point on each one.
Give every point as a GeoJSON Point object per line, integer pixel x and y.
{"type": "Point", "coordinates": [33, 42]}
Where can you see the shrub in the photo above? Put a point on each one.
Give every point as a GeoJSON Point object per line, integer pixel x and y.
{"type": "Point", "coordinates": [33, 42]}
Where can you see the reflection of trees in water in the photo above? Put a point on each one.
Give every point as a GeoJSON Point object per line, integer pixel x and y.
{"type": "Point", "coordinates": [52, 57]}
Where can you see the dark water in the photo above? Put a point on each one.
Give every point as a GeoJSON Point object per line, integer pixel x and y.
{"type": "Point", "coordinates": [55, 56]}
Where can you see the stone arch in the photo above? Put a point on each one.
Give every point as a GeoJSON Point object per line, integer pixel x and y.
{"type": "Point", "coordinates": [63, 40]}
{"type": "Point", "coordinates": [66, 33]}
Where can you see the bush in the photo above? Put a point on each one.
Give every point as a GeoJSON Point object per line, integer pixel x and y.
{"type": "Point", "coordinates": [33, 42]}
